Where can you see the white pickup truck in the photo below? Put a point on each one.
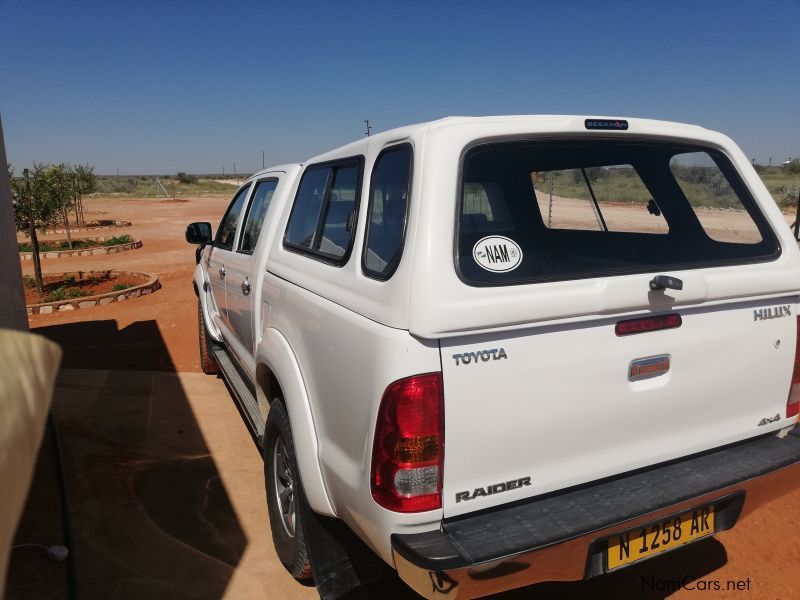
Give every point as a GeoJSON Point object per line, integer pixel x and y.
{"type": "Point", "coordinates": [504, 350]}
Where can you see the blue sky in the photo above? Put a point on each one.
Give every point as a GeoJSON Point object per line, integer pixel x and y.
{"type": "Point", "coordinates": [158, 87]}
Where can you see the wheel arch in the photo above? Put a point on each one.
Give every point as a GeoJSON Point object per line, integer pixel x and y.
{"type": "Point", "coordinates": [278, 375]}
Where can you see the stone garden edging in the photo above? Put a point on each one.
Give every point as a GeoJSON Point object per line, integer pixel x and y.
{"type": "Point", "coordinates": [136, 243]}
{"type": "Point", "coordinates": [144, 289]}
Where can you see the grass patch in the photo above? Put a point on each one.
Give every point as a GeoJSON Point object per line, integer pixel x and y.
{"type": "Point", "coordinates": [55, 246]}
{"type": "Point", "coordinates": [117, 240]}
{"type": "Point", "coordinates": [64, 293]}
{"type": "Point", "coordinates": [118, 287]}
{"type": "Point", "coordinates": [76, 244]}
{"type": "Point", "coordinates": [29, 281]}
{"type": "Point", "coordinates": [703, 186]}
{"type": "Point", "coordinates": [783, 183]}
{"type": "Point", "coordinates": [189, 185]}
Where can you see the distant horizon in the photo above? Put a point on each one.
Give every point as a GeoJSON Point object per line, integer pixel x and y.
{"type": "Point", "coordinates": [187, 86]}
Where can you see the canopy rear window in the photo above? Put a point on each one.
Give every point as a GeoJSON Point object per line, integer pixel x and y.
{"type": "Point", "coordinates": [547, 211]}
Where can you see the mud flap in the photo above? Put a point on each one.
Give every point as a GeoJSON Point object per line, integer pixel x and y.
{"type": "Point", "coordinates": [340, 561]}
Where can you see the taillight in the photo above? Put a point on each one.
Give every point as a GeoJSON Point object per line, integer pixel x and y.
{"type": "Point", "coordinates": [408, 452]}
{"type": "Point", "coordinates": [793, 402]}
{"type": "Point", "coordinates": [645, 324]}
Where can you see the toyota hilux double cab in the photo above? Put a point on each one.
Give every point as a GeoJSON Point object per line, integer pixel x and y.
{"type": "Point", "coordinates": [489, 352]}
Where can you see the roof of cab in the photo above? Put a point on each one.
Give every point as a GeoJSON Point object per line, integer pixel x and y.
{"type": "Point", "coordinates": [529, 123]}
{"type": "Point", "coordinates": [284, 168]}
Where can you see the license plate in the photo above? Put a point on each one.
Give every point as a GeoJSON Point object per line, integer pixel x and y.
{"type": "Point", "coordinates": [659, 537]}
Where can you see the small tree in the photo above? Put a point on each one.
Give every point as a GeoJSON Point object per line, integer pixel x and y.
{"type": "Point", "coordinates": [60, 184]}
{"type": "Point", "coordinates": [84, 182]}
{"type": "Point", "coordinates": [37, 206]}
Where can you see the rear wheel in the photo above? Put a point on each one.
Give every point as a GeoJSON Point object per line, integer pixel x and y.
{"type": "Point", "coordinates": [207, 362]}
{"type": "Point", "coordinates": [284, 492]}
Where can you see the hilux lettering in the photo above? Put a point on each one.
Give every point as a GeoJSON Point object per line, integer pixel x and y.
{"type": "Point", "coordinates": [774, 312]}
{"type": "Point", "coordinates": [495, 488]}
{"type": "Point", "coordinates": [466, 358]}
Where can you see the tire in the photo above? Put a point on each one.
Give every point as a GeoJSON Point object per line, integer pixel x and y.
{"type": "Point", "coordinates": [207, 362]}
{"type": "Point", "coordinates": [284, 493]}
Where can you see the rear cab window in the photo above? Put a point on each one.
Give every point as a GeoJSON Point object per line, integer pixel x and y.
{"type": "Point", "coordinates": [387, 213]}
{"type": "Point", "coordinates": [322, 221]}
{"type": "Point", "coordinates": [547, 211]}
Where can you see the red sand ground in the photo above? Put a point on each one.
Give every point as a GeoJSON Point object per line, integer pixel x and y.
{"type": "Point", "coordinates": [158, 333]}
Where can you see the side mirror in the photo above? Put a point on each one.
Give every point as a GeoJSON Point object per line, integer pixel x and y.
{"type": "Point", "coordinates": [198, 233]}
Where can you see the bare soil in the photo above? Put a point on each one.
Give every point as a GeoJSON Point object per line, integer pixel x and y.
{"type": "Point", "coordinates": [160, 225]}
{"type": "Point", "coordinates": [761, 553]}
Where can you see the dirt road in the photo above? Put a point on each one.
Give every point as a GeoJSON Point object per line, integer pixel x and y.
{"type": "Point", "coordinates": [167, 484]}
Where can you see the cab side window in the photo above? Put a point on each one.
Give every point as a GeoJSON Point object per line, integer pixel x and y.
{"type": "Point", "coordinates": [388, 209]}
{"type": "Point", "coordinates": [227, 227]}
{"type": "Point", "coordinates": [322, 222]}
{"type": "Point", "coordinates": [254, 218]}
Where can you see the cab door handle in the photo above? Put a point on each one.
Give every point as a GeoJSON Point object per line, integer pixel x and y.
{"type": "Point", "coordinates": [246, 287]}
{"type": "Point", "coordinates": [222, 272]}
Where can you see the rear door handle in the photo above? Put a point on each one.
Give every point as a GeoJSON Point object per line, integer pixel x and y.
{"type": "Point", "coordinates": [644, 368]}
{"type": "Point", "coordinates": [246, 287]}
{"type": "Point", "coordinates": [222, 272]}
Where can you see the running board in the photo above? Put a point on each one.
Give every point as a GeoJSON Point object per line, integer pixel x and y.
{"type": "Point", "coordinates": [241, 390]}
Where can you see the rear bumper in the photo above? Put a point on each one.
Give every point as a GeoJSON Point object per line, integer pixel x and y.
{"type": "Point", "coordinates": [562, 536]}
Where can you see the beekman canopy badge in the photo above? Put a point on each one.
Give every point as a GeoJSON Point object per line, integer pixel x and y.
{"type": "Point", "coordinates": [497, 253]}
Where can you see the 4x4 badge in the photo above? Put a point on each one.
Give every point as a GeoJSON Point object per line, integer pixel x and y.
{"type": "Point", "coordinates": [768, 420]}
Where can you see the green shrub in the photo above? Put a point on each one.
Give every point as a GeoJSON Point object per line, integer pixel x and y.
{"type": "Point", "coordinates": [43, 247]}
{"type": "Point", "coordinates": [64, 293]}
{"type": "Point", "coordinates": [76, 293]}
{"type": "Point", "coordinates": [60, 293]}
{"type": "Point", "coordinates": [117, 240]}
{"type": "Point", "coordinates": [118, 287]}
{"type": "Point", "coordinates": [29, 281]}
{"type": "Point", "coordinates": [187, 177]}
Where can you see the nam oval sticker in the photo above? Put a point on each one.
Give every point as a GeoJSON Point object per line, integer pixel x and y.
{"type": "Point", "coordinates": [497, 254]}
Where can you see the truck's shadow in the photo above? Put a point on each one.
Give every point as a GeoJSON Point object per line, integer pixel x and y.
{"type": "Point", "coordinates": [150, 513]}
